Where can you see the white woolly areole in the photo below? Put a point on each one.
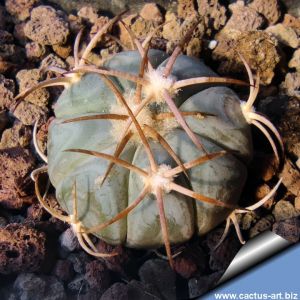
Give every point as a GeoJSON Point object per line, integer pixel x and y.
{"type": "Point", "coordinates": [118, 126]}
{"type": "Point", "coordinates": [158, 179]}
{"type": "Point", "coordinates": [246, 111]}
{"type": "Point", "coordinates": [145, 117]}
{"type": "Point", "coordinates": [157, 84]}
{"type": "Point", "coordinates": [75, 77]}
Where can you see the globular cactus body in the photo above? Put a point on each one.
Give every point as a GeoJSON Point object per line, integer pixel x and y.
{"type": "Point", "coordinates": [223, 127]}
{"type": "Point", "coordinates": [148, 150]}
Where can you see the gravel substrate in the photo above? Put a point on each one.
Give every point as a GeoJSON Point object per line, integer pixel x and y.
{"type": "Point", "coordinates": [40, 257]}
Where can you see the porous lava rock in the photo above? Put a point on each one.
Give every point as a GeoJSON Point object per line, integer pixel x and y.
{"type": "Point", "coordinates": [243, 18]}
{"type": "Point", "coordinates": [29, 78]}
{"type": "Point", "coordinates": [97, 275]}
{"type": "Point", "coordinates": [17, 136]}
{"type": "Point", "coordinates": [47, 26]}
{"type": "Point", "coordinates": [7, 90]}
{"type": "Point", "coordinates": [269, 9]}
{"type": "Point", "coordinates": [285, 35]}
{"type": "Point", "coordinates": [16, 164]}
{"type": "Point", "coordinates": [257, 47]}
{"type": "Point", "coordinates": [213, 12]}
{"type": "Point", "coordinates": [20, 9]}
{"type": "Point", "coordinates": [21, 248]}
{"type": "Point", "coordinates": [291, 84]}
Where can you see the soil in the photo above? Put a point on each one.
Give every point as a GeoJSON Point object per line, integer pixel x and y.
{"type": "Point", "coordinates": [40, 257]}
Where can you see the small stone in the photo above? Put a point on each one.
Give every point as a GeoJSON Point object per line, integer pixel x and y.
{"type": "Point", "coordinates": [63, 270]}
{"type": "Point", "coordinates": [98, 24]}
{"type": "Point", "coordinates": [78, 284]}
{"type": "Point", "coordinates": [293, 22]}
{"type": "Point", "coordinates": [257, 47]}
{"type": "Point", "coordinates": [53, 61]}
{"type": "Point", "coordinates": [46, 26]}
{"type": "Point", "coordinates": [35, 212]}
{"type": "Point", "coordinates": [262, 225]}
{"type": "Point", "coordinates": [70, 61]}
{"type": "Point", "coordinates": [159, 43]}
{"type": "Point", "coordinates": [88, 13]}
{"type": "Point", "coordinates": [212, 44]}
{"type": "Point", "coordinates": [291, 85]}
{"type": "Point", "coordinates": [186, 8]}
{"type": "Point", "coordinates": [285, 35]}
{"type": "Point", "coordinates": [68, 240]}
{"type": "Point", "coordinates": [288, 229]}
{"type": "Point", "coordinates": [244, 18]}
{"type": "Point", "coordinates": [185, 266]}
{"type": "Point", "coordinates": [284, 112]}
{"type": "Point", "coordinates": [269, 9]}
{"type": "Point", "coordinates": [79, 260]}
{"type": "Point", "coordinates": [17, 136]}
{"type": "Point", "coordinates": [29, 113]}
{"type": "Point", "coordinates": [143, 28]}
{"type": "Point", "coordinates": [157, 273]}
{"type": "Point", "coordinates": [295, 61]}
{"type": "Point", "coordinates": [176, 29]}
{"type": "Point", "coordinates": [21, 248]}
{"type": "Point", "coordinates": [118, 291]}
{"type": "Point", "coordinates": [11, 53]}
{"type": "Point", "coordinates": [248, 220]}
{"type": "Point", "coordinates": [194, 47]}
{"type": "Point", "coordinates": [213, 12]}
{"type": "Point", "coordinates": [171, 26]}
{"type": "Point", "coordinates": [16, 188]}
{"type": "Point", "coordinates": [75, 23]}
{"type": "Point", "coordinates": [113, 263]}
{"type": "Point", "coordinates": [151, 12]}
{"type": "Point", "coordinates": [30, 286]}
{"type": "Point", "coordinates": [114, 48]}
{"type": "Point", "coordinates": [62, 50]}
{"type": "Point", "coordinates": [290, 177]}
{"type": "Point", "coordinates": [284, 210]}
{"type": "Point", "coordinates": [262, 191]}
{"type": "Point", "coordinates": [6, 37]}
{"type": "Point", "coordinates": [97, 275]}
{"type": "Point", "coordinates": [30, 78]}
{"type": "Point", "coordinates": [124, 36]}
{"type": "Point", "coordinates": [34, 51]}
{"type": "Point", "coordinates": [7, 90]}
{"type": "Point", "coordinates": [20, 8]}
{"type": "Point", "coordinates": [54, 289]}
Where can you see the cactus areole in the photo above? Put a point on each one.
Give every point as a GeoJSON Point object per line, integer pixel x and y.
{"type": "Point", "coordinates": [148, 150]}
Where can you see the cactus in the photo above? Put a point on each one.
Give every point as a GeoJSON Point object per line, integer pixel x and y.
{"type": "Point", "coordinates": [148, 150]}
